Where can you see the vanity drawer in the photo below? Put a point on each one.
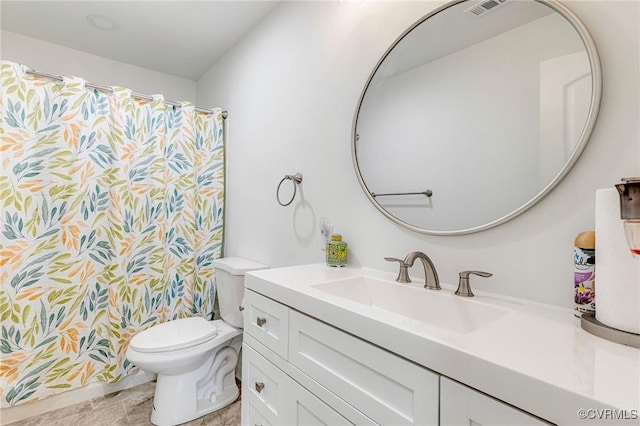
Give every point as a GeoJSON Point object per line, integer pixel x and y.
{"type": "Point", "coordinates": [390, 389]}
{"type": "Point", "coordinates": [263, 387]}
{"type": "Point", "coordinates": [266, 321]}
{"type": "Point", "coordinates": [253, 417]}
{"type": "Point", "coordinates": [308, 410]}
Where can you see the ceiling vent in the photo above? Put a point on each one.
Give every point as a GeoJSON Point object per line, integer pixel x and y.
{"type": "Point", "coordinates": [485, 7]}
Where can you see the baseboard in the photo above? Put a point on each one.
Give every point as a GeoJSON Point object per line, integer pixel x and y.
{"type": "Point", "coordinates": [75, 396]}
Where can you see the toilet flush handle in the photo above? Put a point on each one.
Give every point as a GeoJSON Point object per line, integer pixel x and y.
{"type": "Point", "coordinates": [260, 321]}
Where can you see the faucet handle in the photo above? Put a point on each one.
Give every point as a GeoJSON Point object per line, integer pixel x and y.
{"type": "Point", "coordinates": [403, 275]}
{"type": "Point", "coordinates": [464, 289]}
{"type": "Point", "coordinates": [465, 274]}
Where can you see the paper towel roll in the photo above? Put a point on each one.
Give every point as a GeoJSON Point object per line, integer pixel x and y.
{"type": "Point", "coordinates": [617, 271]}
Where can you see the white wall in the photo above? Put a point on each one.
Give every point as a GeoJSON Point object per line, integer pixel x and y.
{"type": "Point", "coordinates": [55, 59]}
{"type": "Point", "coordinates": [291, 88]}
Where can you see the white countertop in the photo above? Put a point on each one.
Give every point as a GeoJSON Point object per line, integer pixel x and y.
{"type": "Point", "coordinates": [536, 357]}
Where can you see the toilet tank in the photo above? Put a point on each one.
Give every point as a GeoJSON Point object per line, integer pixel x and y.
{"type": "Point", "coordinates": [230, 286]}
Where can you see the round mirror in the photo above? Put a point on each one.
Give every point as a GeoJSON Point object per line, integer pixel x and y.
{"type": "Point", "coordinates": [475, 113]}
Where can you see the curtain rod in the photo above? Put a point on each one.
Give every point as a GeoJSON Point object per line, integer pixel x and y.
{"type": "Point", "coordinates": [109, 90]}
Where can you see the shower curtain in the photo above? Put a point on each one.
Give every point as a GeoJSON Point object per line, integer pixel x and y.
{"type": "Point", "coordinates": [111, 215]}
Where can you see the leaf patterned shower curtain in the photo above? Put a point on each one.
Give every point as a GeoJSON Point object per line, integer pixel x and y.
{"type": "Point", "coordinates": [110, 217]}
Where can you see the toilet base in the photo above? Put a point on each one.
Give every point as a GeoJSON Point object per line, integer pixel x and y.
{"type": "Point", "coordinates": [168, 416]}
{"type": "Point", "coordinates": [184, 397]}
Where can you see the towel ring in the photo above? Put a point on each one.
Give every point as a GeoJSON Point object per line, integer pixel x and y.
{"type": "Point", "coordinates": [296, 179]}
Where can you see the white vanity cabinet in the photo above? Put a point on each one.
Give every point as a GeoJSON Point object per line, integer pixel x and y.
{"type": "Point", "coordinates": [300, 371]}
{"type": "Point", "coordinates": [378, 352]}
{"type": "Point", "coordinates": [463, 406]}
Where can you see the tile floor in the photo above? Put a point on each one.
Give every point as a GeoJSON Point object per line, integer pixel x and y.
{"type": "Point", "coordinates": [126, 408]}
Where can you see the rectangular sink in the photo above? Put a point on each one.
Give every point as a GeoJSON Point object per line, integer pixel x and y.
{"type": "Point", "coordinates": [437, 308]}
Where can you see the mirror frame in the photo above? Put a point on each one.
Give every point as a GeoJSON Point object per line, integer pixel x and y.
{"type": "Point", "coordinates": [596, 96]}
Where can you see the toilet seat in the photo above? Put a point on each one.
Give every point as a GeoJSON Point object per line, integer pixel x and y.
{"type": "Point", "coordinates": [174, 335]}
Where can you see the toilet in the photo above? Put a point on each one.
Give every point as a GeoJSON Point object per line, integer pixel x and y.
{"type": "Point", "coordinates": [195, 359]}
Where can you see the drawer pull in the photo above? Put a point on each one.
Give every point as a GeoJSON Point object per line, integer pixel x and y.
{"type": "Point", "coordinates": [259, 386]}
{"type": "Point", "coordinates": [260, 321]}
{"type": "Point", "coordinates": [241, 308]}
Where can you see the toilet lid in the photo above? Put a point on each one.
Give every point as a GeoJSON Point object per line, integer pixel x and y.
{"type": "Point", "coordinates": [174, 335]}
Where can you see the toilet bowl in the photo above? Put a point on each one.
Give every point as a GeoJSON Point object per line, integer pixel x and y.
{"type": "Point", "coordinates": [195, 359]}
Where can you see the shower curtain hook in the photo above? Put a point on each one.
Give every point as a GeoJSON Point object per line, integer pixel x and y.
{"type": "Point", "coordinates": [296, 179]}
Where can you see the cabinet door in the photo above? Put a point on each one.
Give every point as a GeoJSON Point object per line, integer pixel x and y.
{"type": "Point", "coordinates": [463, 406]}
{"type": "Point", "coordinates": [384, 387]}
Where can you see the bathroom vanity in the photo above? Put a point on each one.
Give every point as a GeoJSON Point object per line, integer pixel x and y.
{"type": "Point", "coordinates": [352, 346]}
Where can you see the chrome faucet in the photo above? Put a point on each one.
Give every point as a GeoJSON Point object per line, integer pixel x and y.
{"type": "Point", "coordinates": [431, 279]}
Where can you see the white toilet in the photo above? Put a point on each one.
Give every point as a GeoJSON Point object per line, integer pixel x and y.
{"type": "Point", "coordinates": [196, 359]}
